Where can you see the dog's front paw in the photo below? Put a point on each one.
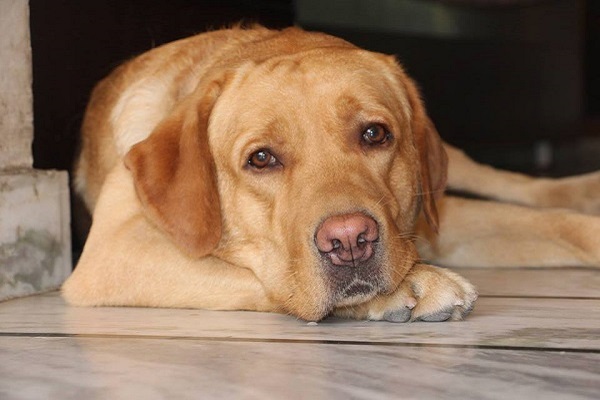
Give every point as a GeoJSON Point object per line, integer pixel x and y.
{"type": "Point", "coordinates": [427, 293]}
{"type": "Point", "coordinates": [431, 294]}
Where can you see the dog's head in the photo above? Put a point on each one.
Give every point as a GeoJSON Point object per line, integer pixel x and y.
{"type": "Point", "coordinates": [306, 160]}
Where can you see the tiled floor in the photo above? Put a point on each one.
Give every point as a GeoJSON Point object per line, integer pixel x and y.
{"type": "Point", "coordinates": [534, 334]}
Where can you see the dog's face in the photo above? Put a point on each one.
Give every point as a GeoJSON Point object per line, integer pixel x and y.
{"type": "Point", "coordinates": [309, 168]}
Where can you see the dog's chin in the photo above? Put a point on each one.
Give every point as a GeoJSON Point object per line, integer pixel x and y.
{"type": "Point", "coordinates": [320, 307]}
{"type": "Point", "coordinates": [356, 292]}
{"type": "Point", "coordinates": [341, 286]}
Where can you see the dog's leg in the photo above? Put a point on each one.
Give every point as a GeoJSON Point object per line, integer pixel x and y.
{"type": "Point", "coordinates": [581, 193]}
{"type": "Point", "coordinates": [128, 262]}
{"type": "Point", "coordinates": [149, 279]}
{"type": "Point", "coordinates": [476, 233]}
{"type": "Point", "coordinates": [427, 293]}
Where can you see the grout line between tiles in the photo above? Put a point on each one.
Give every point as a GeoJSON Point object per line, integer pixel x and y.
{"type": "Point", "coordinates": [520, 269]}
{"type": "Point", "coordinates": [41, 335]}
{"type": "Point", "coordinates": [509, 296]}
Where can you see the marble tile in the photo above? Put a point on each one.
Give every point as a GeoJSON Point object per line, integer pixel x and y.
{"type": "Point", "coordinates": [527, 323]}
{"type": "Point", "coordinates": [120, 368]}
{"type": "Point", "coordinates": [536, 282]}
{"type": "Point", "coordinates": [530, 336]}
{"type": "Point", "coordinates": [35, 234]}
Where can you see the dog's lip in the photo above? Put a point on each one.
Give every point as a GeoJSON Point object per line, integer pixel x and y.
{"type": "Point", "coordinates": [358, 288]}
{"type": "Point", "coordinates": [356, 292]}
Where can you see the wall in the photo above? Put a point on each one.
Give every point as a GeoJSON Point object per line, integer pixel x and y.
{"type": "Point", "coordinates": [35, 245]}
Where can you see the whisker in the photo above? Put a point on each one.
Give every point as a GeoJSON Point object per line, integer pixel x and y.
{"type": "Point", "coordinates": [380, 201]}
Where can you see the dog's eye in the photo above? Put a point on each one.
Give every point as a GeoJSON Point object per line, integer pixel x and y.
{"type": "Point", "coordinates": [375, 134]}
{"type": "Point", "coordinates": [262, 159]}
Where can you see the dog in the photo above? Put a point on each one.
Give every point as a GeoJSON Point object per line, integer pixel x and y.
{"type": "Point", "coordinates": [292, 172]}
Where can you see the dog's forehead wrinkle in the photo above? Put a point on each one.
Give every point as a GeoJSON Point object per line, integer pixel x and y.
{"type": "Point", "coordinates": [315, 67]}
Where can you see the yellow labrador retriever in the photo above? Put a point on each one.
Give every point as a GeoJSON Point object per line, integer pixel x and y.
{"type": "Point", "coordinates": [293, 172]}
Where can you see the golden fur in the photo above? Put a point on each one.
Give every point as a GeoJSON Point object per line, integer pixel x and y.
{"type": "Point", "coordinates": [181, 219]}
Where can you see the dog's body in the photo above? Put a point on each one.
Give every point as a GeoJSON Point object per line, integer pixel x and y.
{"type": "Point", "coordinates": [293, 172]}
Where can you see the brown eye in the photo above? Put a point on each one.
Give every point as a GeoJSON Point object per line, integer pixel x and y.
{"type": "Point", "coordinates": [262, 159]}
{"type": "Point", "coordinates": [375, 134]}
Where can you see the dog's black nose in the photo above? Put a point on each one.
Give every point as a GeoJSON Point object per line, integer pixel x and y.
{"type": "Point", "coordinates": [347, 239]}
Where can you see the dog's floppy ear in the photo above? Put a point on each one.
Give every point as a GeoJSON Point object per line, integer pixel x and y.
{"type": "Point", "coordinates": [174, 175]}
{"type": "Point", "coordinates": [433, 158]}
{"type": "Point", "coordinates": [434, 168]}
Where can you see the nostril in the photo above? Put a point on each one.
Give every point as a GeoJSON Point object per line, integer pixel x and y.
{"type": "Point", "coordinates": [336, 244]}
{"type": "Point", "coordinates": [361, 239]}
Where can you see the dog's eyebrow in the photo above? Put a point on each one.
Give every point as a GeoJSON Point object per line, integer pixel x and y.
{"type": "Point", "coordinates": [267, 135]}
{"type": "Point", "coordinates": [363, 111]}
{"type": "Point", "coordinates": [347, 103]}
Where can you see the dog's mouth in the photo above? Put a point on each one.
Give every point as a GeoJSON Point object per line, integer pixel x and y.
{"type": "Point", "coordinates": [342, 286]}
{"type": "Point", "coordinates": [358, 291]}
{"type": "Point", "coordinates": [358, 288]}
{"type": "Point", "coordinates": [355, 291]}
{"type": "Point", "coordinates": [355, 282]}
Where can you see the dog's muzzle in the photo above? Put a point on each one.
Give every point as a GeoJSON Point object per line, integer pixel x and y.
{"type": "Point", "coordinates": [348, 247]}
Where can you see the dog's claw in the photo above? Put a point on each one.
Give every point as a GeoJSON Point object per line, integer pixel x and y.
{"type": "Point", "coordinates": [436, 317]}
{"type": "Point", "coordinates": [405, 314]}
{"type": "Point", "coordinates": [400, 315]}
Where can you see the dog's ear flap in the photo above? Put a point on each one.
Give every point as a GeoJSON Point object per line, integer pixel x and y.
{"type": "Point", "coordinates": [432, 156]}
{"type": "Point", "coordinates": [174, 175]}
{"type": "Point", "coordinates": [434, 168]}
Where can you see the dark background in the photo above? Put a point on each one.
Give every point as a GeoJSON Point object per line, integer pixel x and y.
{"type": "Point", "coordinates": [485, 94]}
